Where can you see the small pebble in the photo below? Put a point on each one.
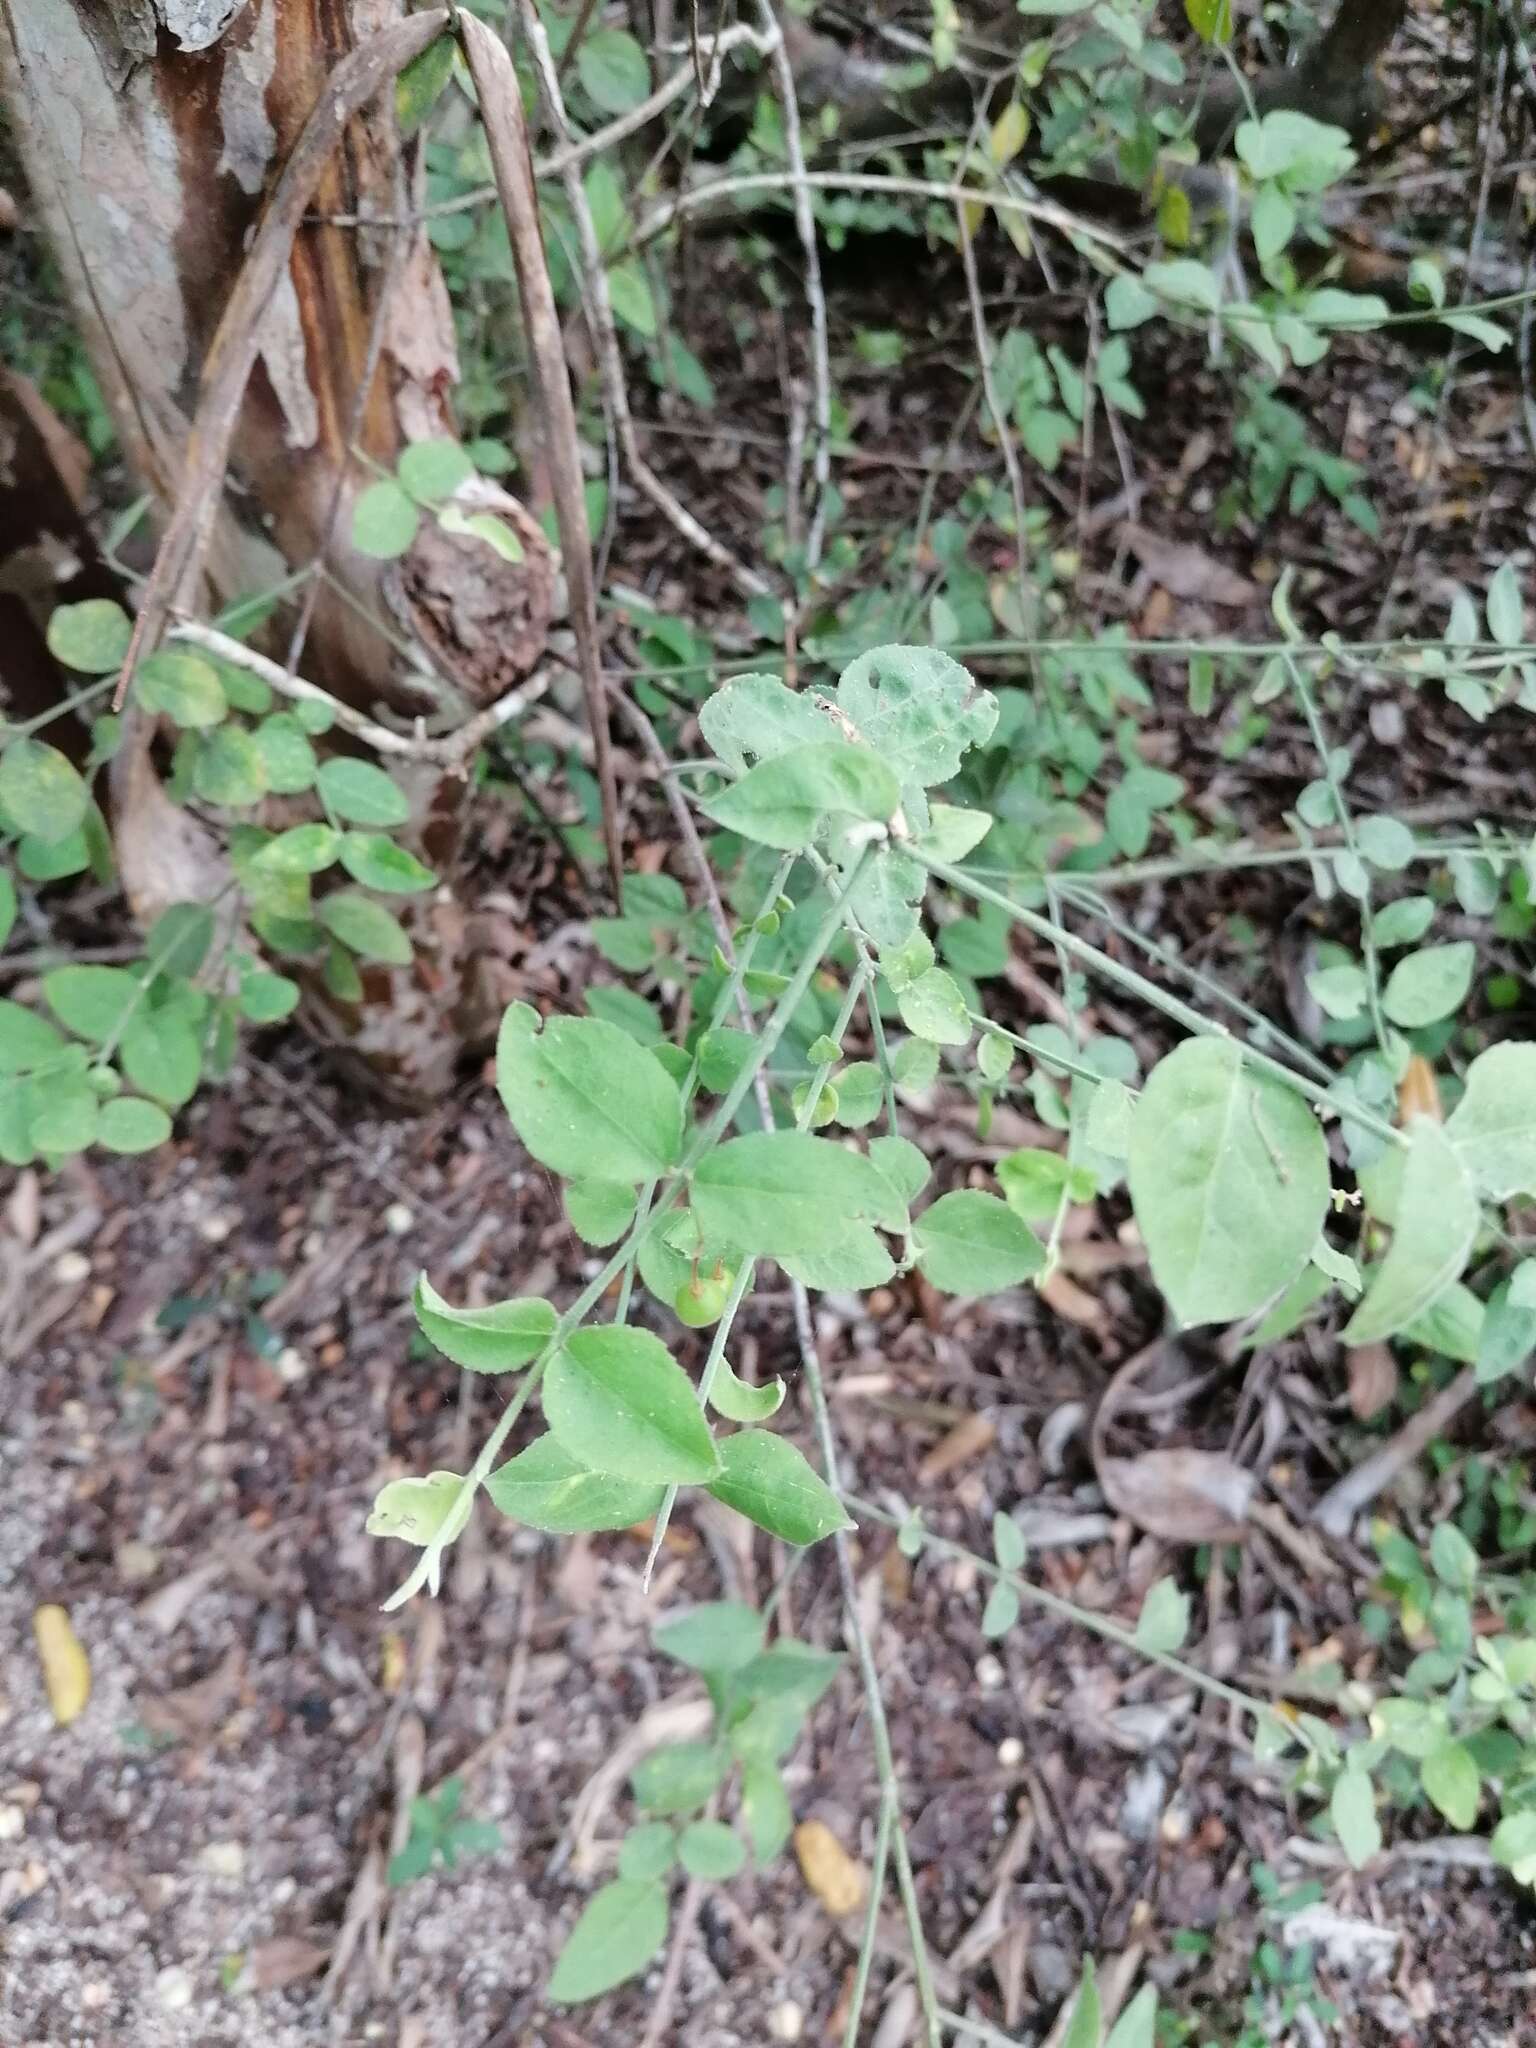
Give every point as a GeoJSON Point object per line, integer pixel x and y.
{"type": "Point", "coordinates": [96, 1997]}
{"type": "Point", "coordinates": [214, 1229]}
{"type": "Point", "coordinates": [136, 1562]}
{"type": "Point", "coordinates": [69, 1268]}
{"type": "Point", "coordinates": [12, 1823]}
{"type": "Point", "coordinates": [786, 2022]}
{"type": "Point", "coordinates": [291, 1366]}
{"type": "Point", "coordinates": [1010, 1753]}
{"type": "Point", "coordinates": [989, 1673]}
{"type": "Point", "coordinates": [173, 1988]}
{"type": "Point", "coordinates": [223, 1859]}
{"type": "Point", "coordinates": [398, 1219]}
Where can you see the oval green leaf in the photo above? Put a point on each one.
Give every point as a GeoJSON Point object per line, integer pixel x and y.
{"type": "Point", "coordinates": [497, 1338]}
{"type": "Point", "coordinates": [620, 1403]}
{"type": "Point", "coordinates": [585, 1099]}
{"type": "Point", "coordinates": [545, 1487]}
{"type": "Point", "coordinates": [972, 1243]}
{"type": "Point", "coordinates": [785, 801]}
{"type": "Point", "coordinates": [1437, 1219]}
{"type": "Point", "coordinates": [766, 1479]}
{"type": "Point", "coordinates": [40, 791]}
{"type": "Point", "coordinates": [778, 1192]}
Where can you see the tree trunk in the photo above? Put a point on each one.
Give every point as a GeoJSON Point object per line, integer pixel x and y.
{"type": "Point", "coordinates": [152, 132]}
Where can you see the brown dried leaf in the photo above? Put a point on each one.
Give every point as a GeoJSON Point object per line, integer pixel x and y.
{"type": "Point", "coordinates": [1418, 1093]}
{"type": "Point", "coordinates": [970, 1436]}
{"type": "Point", "coordinates": [1185, 570]}
{"type": "Point", "coordinates": [1372, 1380]}
{"type": "Point", "coordinates": [838, 1879]}
{"type": "Point", "coordinates": [196, 1710]}
{"type": "Point", "coordinates": [1072, 1303]}
{"type": "Point", "coordinates": [1184, 1496]}
{"type": "Point", "coordinates": [285, 1959]}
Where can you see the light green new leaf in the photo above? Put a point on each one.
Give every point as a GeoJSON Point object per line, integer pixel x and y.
{"type": "Point", "coordinates": [1429, 984]}
{"type": "Point", "coordinates": [785, 801]}
{"type": "Point", "coordinates": [182, 685]}
{"type": "Point", "coordinates": [1451, 1782]}
{"type": "Point", "coordinates": [918, 709]}
{"type": "Point", "coordinates": [739, 1401]}
{"type": "Point", "coordinates": [545, 1488]}
{"type": "Point", "coordinates": [708, 1849]}
{"type": "Point", "coordinates": [648, 1850]}
{"type": "Point", "coordinates": [765, 1808]}
{"type": "Point", "coordinates": [375, 860]}
{"type": "Point", "coordinates": [1001, 1610]}
{"type": "Point", "coordinates": [92, 1001]}
{"type": "Point", "coordinates": [421, 1511]}
{"type": "Point", "coordinates": [586, 1100]}
{"type": "Point", "coordinates": [1493, 1127]}
{"type": "Point", "coordinates": [26, 1040]}
{"type": "Point", "coordinates": [40, 790]}
{"type": "Point", "coordinates": [766, 1479]}
{"type": "Point", "coordinates": [91, 637]}
{"type": "Point", "coordinates": [971, 1243]}
{"type": "Point", "coordinates": [1437, 1218]}
{"type": "Point", "coordinates": [785, 1193]}
{"type": "Point", "coordinates": [953, 833]}
{"type": "Point", "coordinates": [1084, 2028]}
{"type": "Point", "coordinates": [933, 1007]}
{"type": "Point", "coordinates": [130, 1124]}
{"type": "Point", "coordinates": [720, 1635]}
{"type": "Point", "coordinates": [161, 1055]}
{"type": "Point", "coordinates": [434, 469]}
{"type": "Point", "coordinates": [621, 1929]}
{"type": "Point", "coordinates": [302, 850]}
{"type": "Point", "coordinates": [371, 931]}
{"type": "Point", "coordinates": [620, 1403]}
{"type": "Point", "coordinates": [497, 1338]}
{"type": "Point", "coordinates": [384, 520]}
{"type": "Point", "coordinates": [361, 794]}
{"type": "Point", "coordinates": [1353, 1810]}
{"type": "Point", "coordinates": [1508, 1334]}
{"type": "Point", "coordinates": [1137, 2025]}
{"type": "Point", "coordinates": [1506, 607]}
{"type": "Point", "coordinates": [1228, 1174]}
{"type": "Point", "coordinates": [1164, 1619]}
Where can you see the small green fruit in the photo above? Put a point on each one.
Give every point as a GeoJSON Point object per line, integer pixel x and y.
{"type": "Point", "coordinates": [701, 1300]}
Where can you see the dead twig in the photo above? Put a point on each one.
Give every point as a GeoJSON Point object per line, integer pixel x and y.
{"type": "Point", "coordinates": [506, 136]}
{"type": "Point", "coordinates": [1340, 1504]}
{"type": "Point", "coordinates": [672, 1976]}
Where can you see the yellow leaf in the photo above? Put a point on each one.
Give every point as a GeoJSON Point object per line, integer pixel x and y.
{"type": "Point", "coordinates": [1016, 228]}
{"type": "Point", "coordinates": [66, 1668]}
{"type": "Point", "coordinates": [838, 1880]}
{"type": "Point", "coordinates": [975, 213]}
{"type": "Point", "coordinates": [1010, 131]}
{"type": "Point", "coordinates": [1173, 217]}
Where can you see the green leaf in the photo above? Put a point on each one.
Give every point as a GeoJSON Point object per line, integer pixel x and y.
{"type": "Point", "coordinates": [7, 906]}
{"type": "Point", "coordinates": [971, 1243]}
{"type": "Point", "coordinates": [421, 1511]}
{"type": "Point", "coordinates": [161, 1055]}
{"type": "Point", "coordinates": [378, 863]}
{"type": "Point", "coordinates": [179, 939]}
{"type": "Point", "coordinates": [1402, 923]}
{"type": "Point", "coordinates": [648, 1850]}
{"type": "Point", "coordinates": [1508, 1335]}
{"type": "Point", "coordinates": [1083, 2029]}
{"type": "Point", "coordinates": [934, 1007]}
{"type": "Point", "coordinates": [91, 637]}
{"type": "Point", "coordinates": [433, 469]}
{"type": "Point", "coordinates": [918, 710]}
{"type": "Point", "coordinates": [1229, 1182]}
{"type": "Point", "coordinates": [546, 1488]}
{"type": "Point", "coordinates": [419, 84]}
{"type": "Point", "coordinates": [1008, 1545]}
{"type": "Point", "coordinates": [1001, 1610]}
{"type": "Point", "coordinates": [1353, 1811]}
{"type": "Point", "coordinates": [384, 520]}
{"type": "Point", "coordinates": [366, 927]}
{"type": "Point", "coordinates": [286, 754]}
{"type": "Point", "coordinates": [677, 1778]}
{"type": "Point", "coordinates": [1437, 1219]}
{"type": "Point", "coordinates": [64, 1116]}
{"type": "Point", "coordinates": [766, 1479]}
{"type": "Point", "coordinates": [1211, 20]}
{"type": "Point", "coordinates": [302, 850]}
{"type": "Point", "coordinates": [483, 526]}
{"type": "Point", "coordinates": [228, 769]}
{"type": "Point", "coordinates": [620, 1403]}
{"type": "Point", "coordinates": [850, 1261]}
{"type": "Point", "coordinates": [901, 1163]}
{"type": "Point", "coordinates": [497, 1338]}
{"type": "Point", "coordinates": [708, 1849]}
{"type": "Point", "coordinates": [621, 1930]}
{"type": "Point", "coordinates": [786, 801]}
{"type": "Point", "coordinates": [1506, 607]}
{"type": "Point", "coordinates": [1186, 283]}
{"type": "Point", "coordinates": [629, 291]}
{"type": "Point", "coordinates": [1429, 984]}
{"type": "Point", "coordinates": [1339, 991]}
{"type": "Point", "coordinates": [585, 1099]}
{"type": "Point", "coordinates": [26, 1040]}
{"type": "Point", "coordinates": [1488, 332]}
{"type": "Point", "coordinates": [1163, 1622]}
{"type": "Point", "coordinates": [1272, 221]}
{"type": "Point", "coordinates": [1493, 1127]}
{"type": "Point", "coordinates": [40, 791]}
{"type": "Point", "coordinates": [1385, 842]}
{"type": "Point", "coordinates": [1137, 2025]}
{"type": "Point", "coordinates": [361, 794]}
{"type": "Point", "coordinates": [182, 685]}
{"type": "Point", "coordinates": [268, 998]}
{"type": "Point", "coordinates": [785, 1192]}
{"type": "Point", "coordinates": [1128, 303]}
{"type": "Point", "coordinates": [600, 1211]}
{"type": "Point", "coordinates": [953, 833]}
{"type": "Point", "coordinates": [756, 718]}
{"type": "Point", "coordinates": [1453, 1558]}
{"type": "Point", "coordinates": [613, 70]}
{"type": "Point", "coordinates": [721, 1635]}
{"type": "Point", "coordinates": [765, 1808]}
{"type": "Point", "coordinates": [129, 1124]}
{"type": "Point", "coordinates": [1514, 1839]}
{"type": "Point", "coordinates": [91, 1001]}
{"type": "Point", "coordinates": [739, 1401]}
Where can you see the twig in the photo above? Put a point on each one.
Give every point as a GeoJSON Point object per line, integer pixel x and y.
{"type": "Point", "coordinates": [1341, 1503]}
{"type": "Point", "coordinates": [1076, 230]}
{"type": "Point", "coordinates": [672, 1976]}
{"type": "Point", "coordinates": [805, 228]}
{"type": "Point", "coordinates": [231, 357]}
{"type": "Point", "coordinates": [996, 409]}
{"type": "Point", "coordinates": [604, 332]}
{"type": "Point", "coordinates": [454, 749]}
{"type": "Point", "coordinates": [506, 136]}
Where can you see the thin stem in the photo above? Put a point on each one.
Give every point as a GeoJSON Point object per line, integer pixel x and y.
{"type": "Point", "coordinates": [878, 1863]}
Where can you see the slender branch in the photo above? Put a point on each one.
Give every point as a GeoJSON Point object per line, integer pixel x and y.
{"type": "Point", "coordinates": [506, 135]}
{"type": "Point", "coordinates": [454, 749]}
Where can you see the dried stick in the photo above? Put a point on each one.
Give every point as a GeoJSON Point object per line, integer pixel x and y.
{"type": "Point", "coordinates": [995, 406]}
{"type": "Point", "coordinates": [1356, 1490]}
{"type": "Point", "coordinates": [805, 228]}
{"type": "Point", "coordinates": [173, 580]}
{"type": "Point", "coordinates": [452, 749]}
{"type": "Point", "coordinates": [605, 336]}
{"type": "Point", "coordinates": [506, 135]}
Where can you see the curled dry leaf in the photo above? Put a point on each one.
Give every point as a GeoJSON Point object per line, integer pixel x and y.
{"type": "Point", "coordinates": [1072, 1303]}
{"type": "Point", "coordinates": [66, 1667]}
{"type": "Point", "coordinates": [1372, 1379]}
{"type": "Point", "coordinates": [971, 1435]}
{"type": "Point", "coordinates": [1183, 1495]}
{"type": "Point", "coordinates": [283, 1960]}
{"type": "Point", "coordinates": [1418, 1094]}
{"type": "Point", "coordinates": [196, 1711]}
{"type": "Point", "coordinates": [839, 1880]}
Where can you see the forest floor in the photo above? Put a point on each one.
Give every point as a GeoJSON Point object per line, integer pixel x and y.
{"type": "Point", "coordinates": [209, 1370]}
